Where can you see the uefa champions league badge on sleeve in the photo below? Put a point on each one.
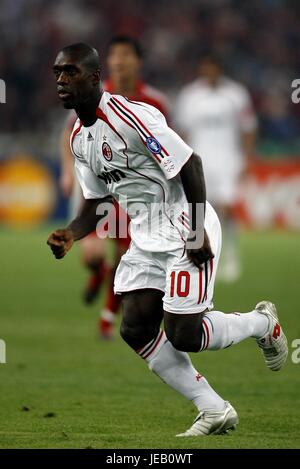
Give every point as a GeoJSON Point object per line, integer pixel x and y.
{"type": "Point", "coordinates": [107, 151]}
{"type": "Point", "coordinates": [168, 164]}
{"type": "Point", "coordinates": [153, 145]}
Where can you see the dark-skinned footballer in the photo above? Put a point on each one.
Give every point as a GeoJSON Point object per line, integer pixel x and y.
{"type": "Point", "coordinates": [168, 273]}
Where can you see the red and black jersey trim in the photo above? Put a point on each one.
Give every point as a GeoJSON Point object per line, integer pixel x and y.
{"type": "Point", "coordinates": [204, 279]}
{"type": "Point", "coordinates": [133, 121]}
{"type": "Point", "coordinates": [184, 220]}
{"type": "Point", "coordinates": [100, 114]}
{"type": "Point", "coordinates": [73, 135]}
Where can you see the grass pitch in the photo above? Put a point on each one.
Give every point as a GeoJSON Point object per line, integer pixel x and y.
{"type": "Point", "coordinates": [64, 388]}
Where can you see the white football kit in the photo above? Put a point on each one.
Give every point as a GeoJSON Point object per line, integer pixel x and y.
{"type": "Point", "coordinates": [212, 120]}
{"type": "Point", "coordinates": [132, 154]}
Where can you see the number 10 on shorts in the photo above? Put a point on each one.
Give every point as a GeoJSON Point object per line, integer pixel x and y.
{"type": "Point", "coordinates": [180, 283]}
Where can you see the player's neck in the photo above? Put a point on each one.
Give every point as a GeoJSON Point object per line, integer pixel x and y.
{"type": "Point", "coordinates": [124, 87]}
{"type": "Point", "coordinates": [87, 110]}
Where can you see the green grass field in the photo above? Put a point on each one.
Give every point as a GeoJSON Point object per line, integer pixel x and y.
{"type": "Point", "coordinates": [64, 388]}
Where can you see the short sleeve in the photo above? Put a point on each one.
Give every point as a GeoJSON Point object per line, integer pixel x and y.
{"type": "Point", "coordinates": [92, 187]}
{"type": "Point", "coordinates": [160, 141]}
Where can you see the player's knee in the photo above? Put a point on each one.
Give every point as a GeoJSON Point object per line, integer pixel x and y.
{"type": "Point", "coordinates": [128, 332]}
{"type": "Point", "coordinates": [139, 326]}
{"type": "Point", "coordinates": [182, 342]}
{"type": "Point", "coordinates": [184, 332]}
{"type": "Point", "coordinates": [137, 335]}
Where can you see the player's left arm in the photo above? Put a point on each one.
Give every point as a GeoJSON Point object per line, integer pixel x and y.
{"type": "Point", "coordinates": [192, 177]}
{"type": "Point", "coordinates": [175, 158]}
{"type": "Point", "coordinates": [96, 195]}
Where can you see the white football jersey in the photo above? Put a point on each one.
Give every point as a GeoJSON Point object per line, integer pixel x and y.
{"type": "Point", "coordinates": [132, 154]}
{"type": "Point", "coordinates": [212, 120]}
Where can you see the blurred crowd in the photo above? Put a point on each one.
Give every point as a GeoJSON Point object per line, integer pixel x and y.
{"type": "Point", "coordinates": [259, 41]}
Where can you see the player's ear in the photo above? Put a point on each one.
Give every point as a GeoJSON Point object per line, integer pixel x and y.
{"type": "Point", "coordinates": [96, 76]}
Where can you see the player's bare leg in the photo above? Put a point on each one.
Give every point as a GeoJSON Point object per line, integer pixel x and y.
{"type": "Point", "coordinates": [142, 316]}
{"type": "Point", "coordinates": [93, 258]}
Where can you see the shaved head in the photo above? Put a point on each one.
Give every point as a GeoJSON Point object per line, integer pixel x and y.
{"type": "Point", "coordinates": [83, 54]}
{"type": "Point", "coordinates": [77, 73]}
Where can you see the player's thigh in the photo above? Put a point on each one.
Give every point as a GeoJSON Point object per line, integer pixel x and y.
{"type": "Point", "coordinates": [189, 292]}
{"type": "Point", "coordinates": [140, 278]}
{"type": "Point", "coordinates": [188, 296]}
{"type": "Point", "coordinates": [184, 331]}
{"type": "Point", "coordinates": [142, 314]}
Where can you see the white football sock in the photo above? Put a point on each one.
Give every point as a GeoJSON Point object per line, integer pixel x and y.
{"type": "Point", "coordinates": [223, 329]}
{"type": "Point", "coordinates": [175, 368]}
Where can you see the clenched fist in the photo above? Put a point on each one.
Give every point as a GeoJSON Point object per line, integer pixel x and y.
{"type": "Point", "coordinates": [60, 242]}
{"type": "Point", "coordinates": [202, 255]}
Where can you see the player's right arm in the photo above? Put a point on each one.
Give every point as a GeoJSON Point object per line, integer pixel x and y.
{"type": "Point", "coordinates": [95, 193]}
{"type": "Point", "coordinates": [176, 159]}
{"type": "Point", "coordinates": [61, 240]}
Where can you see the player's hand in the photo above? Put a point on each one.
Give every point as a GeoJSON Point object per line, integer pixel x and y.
{"type": "Point", "coordinates": [60, 242]}
{"type": "Point", "coordinates": [66, 183]}
{"type": "Point", "coordinates": [199, 256]}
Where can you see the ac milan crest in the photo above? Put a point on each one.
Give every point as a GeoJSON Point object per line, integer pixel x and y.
{"type": "Point", "coordinates": [107, 151]}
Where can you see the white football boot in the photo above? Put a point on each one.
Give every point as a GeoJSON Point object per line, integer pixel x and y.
{"type": "Point", "coordinates": [274, 344]}
{"type": "Point", "coordinates": [213, 423]}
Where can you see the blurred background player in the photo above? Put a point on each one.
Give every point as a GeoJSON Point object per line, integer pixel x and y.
{"type": "Point", "coordinates": [215, 115]}
{"type": "Point", "coordinates": [124, 62]}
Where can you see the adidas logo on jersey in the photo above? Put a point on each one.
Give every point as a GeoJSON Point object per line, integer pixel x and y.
{"type": "Point", "coordinates": [90, 137]}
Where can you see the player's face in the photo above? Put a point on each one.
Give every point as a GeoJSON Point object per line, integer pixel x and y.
{"type": "Point", "coordinates": [123, 62]}
{"type": "Point", "coordinates": [75, 82]}
{"type": "Point", "coordinates": [210, 71]}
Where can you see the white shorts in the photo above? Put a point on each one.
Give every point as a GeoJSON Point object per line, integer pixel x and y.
{"type": "Point", "coordinates": [186, 289]}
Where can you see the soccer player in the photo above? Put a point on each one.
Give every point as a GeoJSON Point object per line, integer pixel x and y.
{"type": "Point", "coordinates": [124, 61]}
{"type": "Point", "coordinates": [168, 272]}
{"type": "Point", "coordinates": [216, 117]}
